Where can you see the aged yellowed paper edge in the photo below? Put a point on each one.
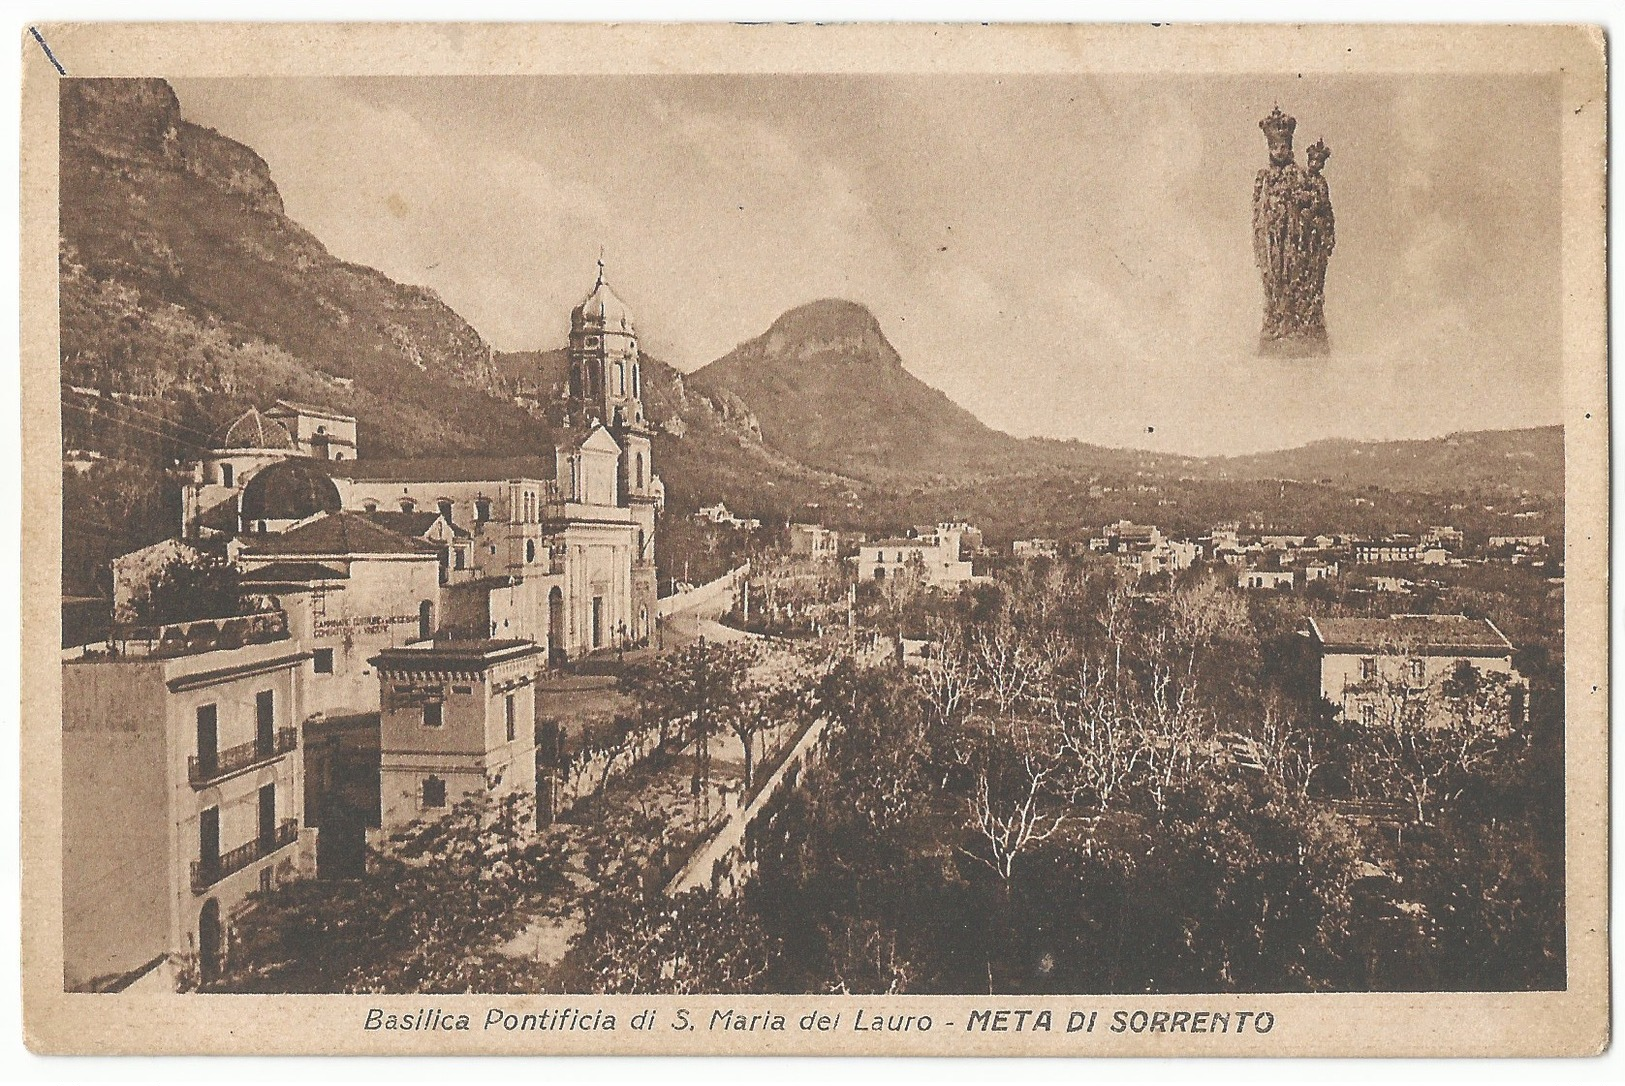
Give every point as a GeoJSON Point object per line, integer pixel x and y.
{"type": "Point", "coordinates": [1572, 1022]}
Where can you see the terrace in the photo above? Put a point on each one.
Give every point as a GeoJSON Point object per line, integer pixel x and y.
{"type": "Point", "coordinates": [172, 639]}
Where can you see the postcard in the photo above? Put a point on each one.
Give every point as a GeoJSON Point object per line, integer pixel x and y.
{"type": "Point", "coordinates": [869, 539]}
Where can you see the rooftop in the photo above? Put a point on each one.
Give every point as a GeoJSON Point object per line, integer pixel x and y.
{"type": "Point", "coordinates": [341, 533]}
{"type": "Point", "coordinates": [176, 639]}
{"type": "Point", "coordinates": [454, 654]}
{"type": "Point", "coordinates": [444, 469]}
{"type": "Point", "coordinates": [295, 573]}
{"type": "Point", "coordinates": [253, 430]}
{"type": "Point", "coordinates": [294, 407]}
{"type": "Point", "coordinates": [1441, 635]}
{"type": "Point", "coordinates": [412, 525]}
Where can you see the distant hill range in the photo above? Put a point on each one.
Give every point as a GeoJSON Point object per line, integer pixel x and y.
{"type": "Point", "coordinates": [187, 294]}
{"type": "Point", "coordinates": [1529, 459]}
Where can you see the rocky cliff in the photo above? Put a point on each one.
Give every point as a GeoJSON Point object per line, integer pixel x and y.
{"type": "Point", "coordinates": [184, 282]}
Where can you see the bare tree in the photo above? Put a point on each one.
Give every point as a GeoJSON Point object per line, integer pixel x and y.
{"type": "Point", "coordinates": [944, 677]}
{"type": "Point", "coordinates": [1100, 747]}
{"type": "Point", "coordinates": [1286, 752]}
{"type": "Point", "coordinates": [1004, 663]}
{"type": "Point", "coordinates": [1427, 738]}
{"type": "Point", "coordinates": [1011, 807]}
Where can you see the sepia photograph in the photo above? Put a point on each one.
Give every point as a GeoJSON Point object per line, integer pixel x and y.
{"type": "Point", "coordinates": [1055, 534]}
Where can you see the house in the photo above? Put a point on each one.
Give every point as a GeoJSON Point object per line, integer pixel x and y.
{"type": "Point", "coordinates": [1036, 548]}
{"type": "Point", "coordinates": [458, 721]}
{"type": "Point", "coordinates": [1371, 668]}
{"type": "Point", "coordinates": [135, 573]}
{"type": "Point", "coordinates": [1443, 535]}
{"type": "Point", "coordinates": [81, 460]}
{"type": "Point", "coordinates": [933, 561]}
{"type": "Point", "coordinates": [813, 541]}
{"type": "Point", "coordinates": [350, 588]}
{"type": "Point", "coordinates": [1319, 571]}
{"type": "Point", "coordinates": [1383, 550]}
{"type": "Point", "coordinates": [1165, 556]}
{"type": "Point", "coordinates": [719, 514]}
{"type": "Point", "coordinates": [1516, 542]}
{"type": "Point", "coordinates": [183, 789]}
{"type": "Point", "coordinates": [1279, 542]}
{"type": "Point", "coordinates": [1128, 534]}
{"type": "Point", "coordinates": [1265, 578]}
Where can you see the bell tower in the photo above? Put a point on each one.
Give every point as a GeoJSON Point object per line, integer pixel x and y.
{"type": "Point", "coordinates": [606, 386]}
{"type": "Point", "coordinates": [606, 379]}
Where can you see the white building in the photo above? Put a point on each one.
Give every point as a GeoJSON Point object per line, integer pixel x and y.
{"type": "Point", "coordinates": [931, 560]}
{"type": "Point", "coordinates": [183, 792]}
{"type": "Point", "coordinates": [1036, 548]}
{"type": "Point", "coordinates": [1369, 666]}
{"type": "Point", "coordinates": [350, 588]}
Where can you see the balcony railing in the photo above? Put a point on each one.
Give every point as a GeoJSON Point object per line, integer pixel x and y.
{"type": "Point", "coordinates": [207, 872]}
{"type": "Point", "coordinates": [203, 635]}
{"type": "Point", "coordinates": [203, 768]}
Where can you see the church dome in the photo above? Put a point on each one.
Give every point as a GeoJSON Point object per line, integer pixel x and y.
{"type": "Point", "coordinates": [255, 431]}
{"type": "Point", "coordinates": [602, 309]}
{"type": "Point", "coordinates": [289, 490]}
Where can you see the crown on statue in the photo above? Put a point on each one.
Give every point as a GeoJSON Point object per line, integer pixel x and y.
{"type": "Point", "coordinates": [1278, 125]}
{"type": "Point", "coordinates": [1318, 153]}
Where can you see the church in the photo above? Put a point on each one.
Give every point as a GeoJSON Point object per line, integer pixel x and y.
{"type": "Point", "coordinates": [555, 548]}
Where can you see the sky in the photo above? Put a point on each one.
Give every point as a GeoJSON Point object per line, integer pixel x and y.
{"type": "Point", "coordinates": [1067, 256]}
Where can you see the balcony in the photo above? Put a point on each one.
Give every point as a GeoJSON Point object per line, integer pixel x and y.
{"type": "Point", "coordinates": [205, 873]}
{"type": "Point", "coordinates": [203, 769]}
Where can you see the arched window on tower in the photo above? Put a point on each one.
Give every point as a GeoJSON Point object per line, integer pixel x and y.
{"type": "Point", "coordinates": [620, 378]}
{"type": "Point", "coordinates": [575, 382]}
{"type": "Point", "coordinates": [637, 477]}
{"type": "Point", "coordinates": [225, 475]}
{"type": "Point", "coordinates": [637, 383]}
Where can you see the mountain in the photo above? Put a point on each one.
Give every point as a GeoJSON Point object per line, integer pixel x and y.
{"type": "Point", "coordinates": [188, 294]}
{"type": "Point", "coordinates": [708, 446]}
{"type": "Point", "coordinates": [829, 390]}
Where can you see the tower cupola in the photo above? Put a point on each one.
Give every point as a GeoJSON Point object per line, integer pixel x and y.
{"type": "Point", "coordinates": [606, 377]}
